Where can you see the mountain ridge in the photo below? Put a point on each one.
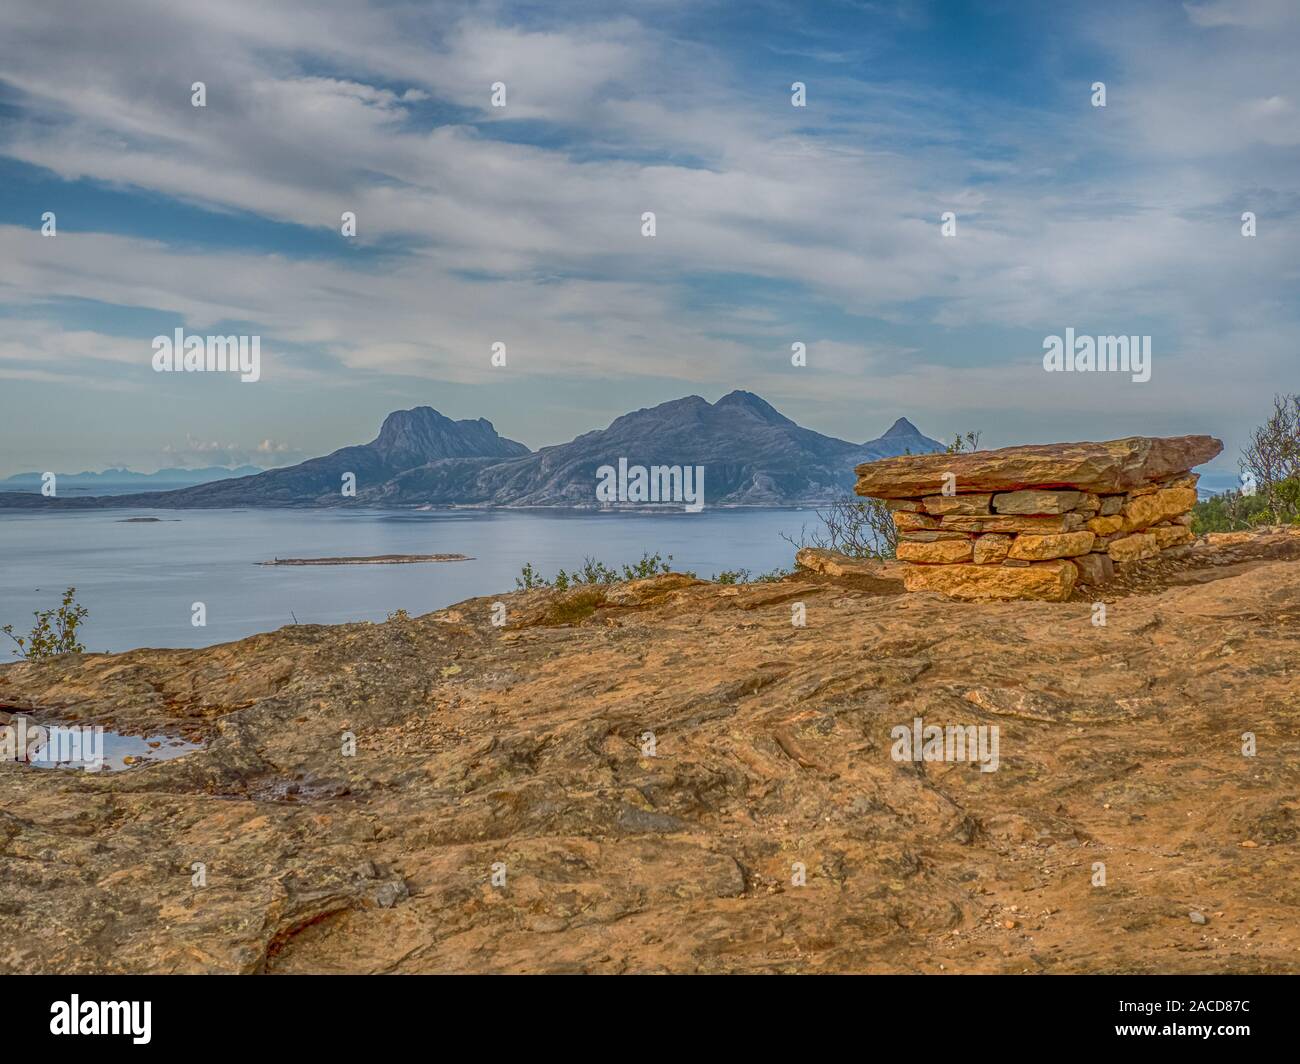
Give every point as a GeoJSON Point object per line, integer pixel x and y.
{"type": "Point", "coordinates": [752, 455]}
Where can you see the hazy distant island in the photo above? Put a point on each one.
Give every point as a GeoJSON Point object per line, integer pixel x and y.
{"type": "Point", "coordinates": [752, 455]}
{"type": "Point", "coordinates": [125, 481]}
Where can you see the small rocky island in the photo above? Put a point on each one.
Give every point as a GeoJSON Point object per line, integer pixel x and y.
{"type": "Point", "coordinates": [377, 559]}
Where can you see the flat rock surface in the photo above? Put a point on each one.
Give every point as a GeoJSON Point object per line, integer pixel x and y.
{"type": "Point", "coordinates": [1111, 466]}
{"type": "Point", "coordinates": [523, 747]}
{"type": "Point", "coordinates": [1049, 580]}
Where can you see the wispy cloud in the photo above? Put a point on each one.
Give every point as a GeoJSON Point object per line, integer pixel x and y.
{"type": "Point", "coordinates": [522, 224]}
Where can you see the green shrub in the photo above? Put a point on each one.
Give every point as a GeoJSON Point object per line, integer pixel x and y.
{"type": "Point", "coordinates": [530, 578]}
{"type": "Point", "coordinates": [594, 572]}
{"type": "Point", "coordinates": [55, 630]}
{"type": "Point", "coordinates": [1234, 511]}
{"type": "Point", "coordinates": [649, 565]}
{"type": "Point", "coordinates": [1271, 460]}
{"type": "Point", "coordinates": [745, 576]}
{"type": "Point", "coordinates": [1270, 467]}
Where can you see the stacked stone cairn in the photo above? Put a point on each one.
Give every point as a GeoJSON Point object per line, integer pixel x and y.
{"type": "Point", "coordinates": [1032, 522]}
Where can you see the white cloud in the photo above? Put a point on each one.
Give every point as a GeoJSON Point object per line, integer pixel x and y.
{"type": "Point", "coordinates": [198, 452]}
{"type": "Point", "coordinates": [1247, 14]}
{"type": "Point", "coordinates": [1097, 218]}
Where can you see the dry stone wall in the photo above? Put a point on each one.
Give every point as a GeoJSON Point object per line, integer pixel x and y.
{"type": "Point", "coordinates": [1032, 522]}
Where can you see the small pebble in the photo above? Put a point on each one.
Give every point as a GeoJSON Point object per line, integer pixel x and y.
{"type": "Point", "coordinates": [1197, 918]}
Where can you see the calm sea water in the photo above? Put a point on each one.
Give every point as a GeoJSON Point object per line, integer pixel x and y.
{"type": "Point", "coordinates": [139, 580]}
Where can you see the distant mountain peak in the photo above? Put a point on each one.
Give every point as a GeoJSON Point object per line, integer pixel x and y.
{"type": "Point", "coordinates": [740, 397]}
{"type": "Point", "coordinates": [901, 427]}
{"type": "Point", "coordinates": [902, 438]}
{"type": "Point", "coordinates": [752, 404]}
{"type": "Point", "coordinates": [412, 437]}
{"type": "Point", "coordinates": [400, 424]}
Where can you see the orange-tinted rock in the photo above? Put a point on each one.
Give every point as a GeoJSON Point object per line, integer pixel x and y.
{"type": "Point", "coordinates": [636, 592]}
{"type": "Point", "coordinates": [907, 521]}
{"type": "Point", "coordinates": [1108, 467]}
{"type": "Point", "coordinates": [1041, 525]}
{"type": "Point", "coordinates": [991, 549]}
{"type": "Point", "coordinates": [1104, 526]}
{"type": "Point", "coordinates": [938, 553]}
{"type": "Point", "coordinates": [1147, 510]}
{"type": "Point", "coordinates": [957, 504]}
{"type": "Point", "coordinates": [931, 536]}
{"type": "Point", "coordinates": [869, 574]}
{"type": "Point", "coordinates": [1171, 535]}
{"type": "Point", "coordinates": [758, 724]}
{"type": "Point", "coordinates": [1133, 548]}
{"type": "Point", "coordinates": [1050, 581]}
{"type": "Point", "coordinates": [1228, 539]}
{"type": "Point", "coordinates": [1043, 548]}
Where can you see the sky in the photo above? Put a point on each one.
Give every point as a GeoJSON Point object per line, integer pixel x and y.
{"type": "Point", "coordinates": [522, 224]}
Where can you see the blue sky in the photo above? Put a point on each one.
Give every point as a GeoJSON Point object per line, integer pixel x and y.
{"type": "Point", "coordinates": [521, 224]}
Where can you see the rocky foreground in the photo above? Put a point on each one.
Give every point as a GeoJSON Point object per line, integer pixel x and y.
{"type": "Point", "coordinates": [520, 754]}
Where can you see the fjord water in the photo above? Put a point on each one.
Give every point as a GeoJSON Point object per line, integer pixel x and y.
{"type": "Point", "coordinates": [140, 580]}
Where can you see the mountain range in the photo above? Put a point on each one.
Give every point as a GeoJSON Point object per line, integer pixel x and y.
{"type": "Point", "coordinates": [125, 481]}
{"type": "Point", "coordinates": [752, 455]}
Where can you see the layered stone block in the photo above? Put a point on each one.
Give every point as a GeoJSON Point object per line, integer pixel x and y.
{"type": "Point", "coordinates": [1033, 522]}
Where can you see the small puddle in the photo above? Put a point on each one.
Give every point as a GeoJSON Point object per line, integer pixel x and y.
{"type": "Point", "coordinates": [79, 746]}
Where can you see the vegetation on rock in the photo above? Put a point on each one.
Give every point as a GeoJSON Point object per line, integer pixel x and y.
{"type": "Point", "coordinates": [55, 630]}
{"type": "Point", "coordinates": [594, 572]}
{"type": "Point", "coordinates": [1270, 468]}
{"type": "Point", "coordinates": [865, 528]}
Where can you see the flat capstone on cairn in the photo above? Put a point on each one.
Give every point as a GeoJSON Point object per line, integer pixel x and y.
{"type": "Point", "coordinates": [1032, 522]}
